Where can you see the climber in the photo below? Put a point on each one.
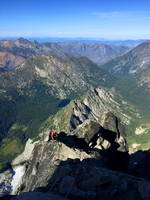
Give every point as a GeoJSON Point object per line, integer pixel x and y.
{"type": "Point", "coordinates": [53, 135]}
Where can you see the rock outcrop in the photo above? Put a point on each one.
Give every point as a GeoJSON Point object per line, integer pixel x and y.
{"type": "Point", "coordinates": [105, 145]}
{"type": "Point", "coordinates": [44, 161]}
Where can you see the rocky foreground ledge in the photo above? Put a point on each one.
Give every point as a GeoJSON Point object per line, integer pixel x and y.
{"type": "Point", "coordinates": [84, 180]}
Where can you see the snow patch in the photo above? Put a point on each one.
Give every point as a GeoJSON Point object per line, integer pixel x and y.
{"type": "Point", "coordinates": [17, 178]}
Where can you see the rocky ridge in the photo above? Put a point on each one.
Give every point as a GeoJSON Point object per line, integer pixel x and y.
{"type": "Point", "coordinates": [93, 105]}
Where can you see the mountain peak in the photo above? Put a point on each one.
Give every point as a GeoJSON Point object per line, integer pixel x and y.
{"type": "Point", "coordinates": [23, 40]}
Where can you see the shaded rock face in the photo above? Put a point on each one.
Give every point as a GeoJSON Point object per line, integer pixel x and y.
{"type": "Point", "coordinates": [75, 179]}
{"type": "Point", "coordinates": [89, 181]}
{"type": "Point", "coordinates": [44, 161]}
{"type": "Point", "coordinates": [37, 196]}
{"type": "Point", "coordinates": [109, 140]}
{"type": "Point", "coordinates": [139, 164]}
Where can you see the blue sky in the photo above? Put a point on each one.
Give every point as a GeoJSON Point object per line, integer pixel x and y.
{"type": "Point", "coordinates": [111, 19]}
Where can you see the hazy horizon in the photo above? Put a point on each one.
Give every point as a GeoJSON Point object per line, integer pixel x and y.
{"type": "Point", "coordinates": [70, 38]}
{"type": "Point", "coordinates": [113, 20]}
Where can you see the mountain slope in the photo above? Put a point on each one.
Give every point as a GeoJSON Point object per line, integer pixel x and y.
{"type": "Point", "coordinates": [133, 62]}
{"type": "Point", "coordinates": [132, 71]}
{"type": "Point", "coordinates": [96, 52]}
{"type": "Point", "coordinates": [61, 76]}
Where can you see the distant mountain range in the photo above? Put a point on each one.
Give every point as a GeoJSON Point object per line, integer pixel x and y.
{"type": "Point", "coordinates": [14, 52]}
{"type": "Point", "coordinates": [96, 52]}
{"type": "Point", "coordinates": [128, 43]}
